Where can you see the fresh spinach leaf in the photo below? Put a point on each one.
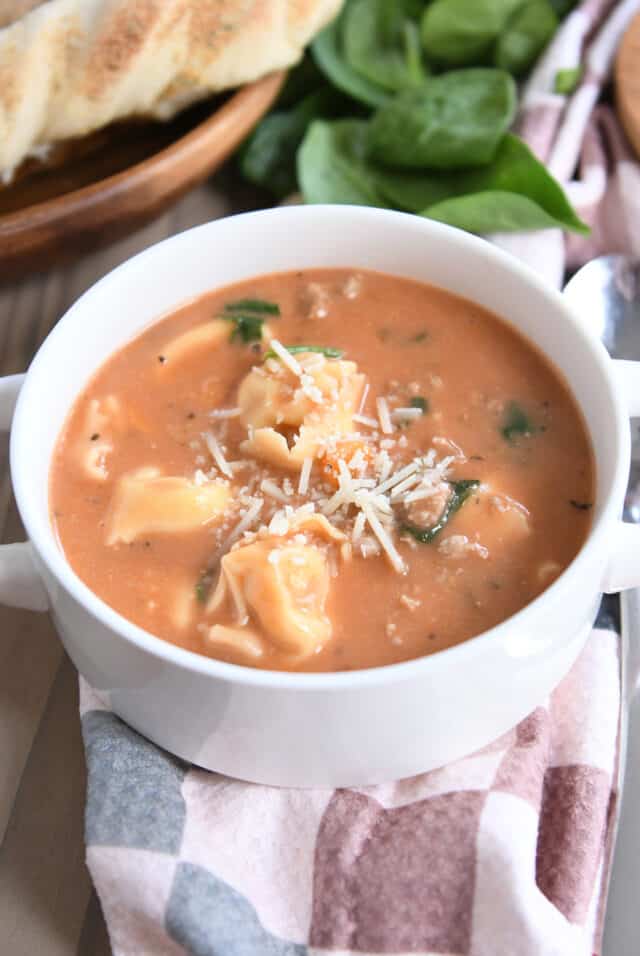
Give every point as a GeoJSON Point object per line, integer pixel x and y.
{"type": "Point", "coordinates": [268, 158]}
{"type": "Point", "coordinates": [566, 81]}
{"type": "Point", "coordinates": [525, 36]}
{"type": "Point", "coordinates": [516, 424]}
{"type": "Point", "coordinates": [327, 351]}
{"type": "Point", "coordinates": [460, 32]}
{"type": "Point", "coordinates": [514, 192]}
{"type": "Point", "coordinates": [303, 79]}
{"type": "Point", "coordinates": [327, 50]}
{"type": "Point", "coordinates": [494, 211]}
{"type": "Point", "coordinates": [456, 120]}
{"type": "Point", "coordinates": [414, 191]}
{"type": "Point", "coordinates": [382, 44]}
{"type": "Point", "coordinates": [562, 7]}
{"type": "Point", "coordinates": [332, 166]}
{"type": "Point", "coordinates": [253, 305]}
{"type": "Point", "coordinates": [460, 491]}
{"type": "Point", "coordinates": [515, 172]}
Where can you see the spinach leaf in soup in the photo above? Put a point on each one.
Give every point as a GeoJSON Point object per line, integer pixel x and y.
{"type": "Point", "coordinates": [456, 120]}
{"type": "Point", "coordinates": [268, 158]}
{"type": "Point", "coordinates": [514, 192]}
{"type": "Point", "coordinates": [332, 166]}
{"type": "Point", "coordinates": [525, 36]}
{"type": "Point", "coordinates": [460, 491]}
{"type": "Point", "coordinates": [419, 401]}
{"type": "Point", "coordinates": [516, 423]}
{"type": "Point", "coordinates": [328, 53]}
{"type": "Point", "coordinates": [261, 306]}
{"type": "Point", "coordinates": [382, 43]}
{"type": "Point", "coordinates": [460, 32]}
{"type": "Point", "coordinates": [247, 328]}
{"type": "Point", "coordinates": [248, 317]}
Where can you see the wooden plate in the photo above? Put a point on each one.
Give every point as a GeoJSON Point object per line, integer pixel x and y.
{"type": "Point", "coordinates": [627, 76]}
{"type": "Point", "coordinates": [113, 182]}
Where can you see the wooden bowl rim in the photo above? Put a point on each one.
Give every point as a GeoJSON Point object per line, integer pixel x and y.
{"type": "Point", "coordinates": [39, 214]}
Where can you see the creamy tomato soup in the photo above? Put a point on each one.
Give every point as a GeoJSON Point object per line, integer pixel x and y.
{"type": "Point", "coordinates": [322, 470]}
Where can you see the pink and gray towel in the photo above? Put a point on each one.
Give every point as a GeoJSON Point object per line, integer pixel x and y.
{"type": "Point", "coordinates": [505, 853]}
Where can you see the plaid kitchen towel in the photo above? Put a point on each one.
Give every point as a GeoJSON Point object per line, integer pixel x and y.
{"type": "Point", "coordinates": [504, 853]}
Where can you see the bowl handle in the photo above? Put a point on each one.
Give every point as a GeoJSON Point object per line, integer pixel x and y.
{"type": "Point", "coordinates": [623, 570]}
{"type": "Point", "coordinates": [20, 583]}
{"type": "Point", "coordinates": [628, 378]}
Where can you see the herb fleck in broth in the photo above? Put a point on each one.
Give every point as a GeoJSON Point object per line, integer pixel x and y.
{"type": "Point", "coordinates": [454, 488]}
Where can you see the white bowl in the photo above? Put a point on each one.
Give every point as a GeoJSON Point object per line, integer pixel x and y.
{"type": "Point", "coordinates": [321, 730]}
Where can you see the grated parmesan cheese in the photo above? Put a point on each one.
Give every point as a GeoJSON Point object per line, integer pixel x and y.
{"type": "Point", "coordinates": [215, 450]}
{"type": "Point", "coordinates": [270, 488]}
{"type": "Point", "coordinates": [363, 398]}
{"type": "Point", "coordinates": [305, 473]}
{"type": "Point", "coordinates": [286, 357]}
{"type": "Point", "coordinates": [245, 522]}
{"type": "Point", "coordinates": [365, 420]}
{"type": "Point", "coordinates": [406, 414]}
{"type": "Point", "coordinates": [385, 540]}
{"type": "Point", "coordinates": [225, 413]}
{"type": "Point", "coordinates": [242, 613]}
{"type": "Point", "coordinates": [384, 416]}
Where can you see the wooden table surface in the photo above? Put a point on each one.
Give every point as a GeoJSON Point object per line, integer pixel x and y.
{"type": "Point", "coordinates": [47, 904]}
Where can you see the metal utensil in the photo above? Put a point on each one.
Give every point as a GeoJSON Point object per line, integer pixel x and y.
{"type": "Point", "coordinates": [606, 294]}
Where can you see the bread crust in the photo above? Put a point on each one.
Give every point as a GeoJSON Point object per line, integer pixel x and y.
{"type": "Point", "coordinates": [69, 67]}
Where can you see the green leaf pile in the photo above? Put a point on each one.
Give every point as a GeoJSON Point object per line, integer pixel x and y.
{"type": "Point", "coordinates": [408, 104]}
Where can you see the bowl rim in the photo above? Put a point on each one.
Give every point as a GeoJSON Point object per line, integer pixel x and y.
{"type": "Point", "coordinates": [52, 557]}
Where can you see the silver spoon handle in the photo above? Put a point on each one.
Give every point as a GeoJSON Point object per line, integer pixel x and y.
{"type": "Point", "coordinates": [621, 927]}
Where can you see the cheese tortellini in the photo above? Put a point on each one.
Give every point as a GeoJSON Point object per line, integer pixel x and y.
{"type": "Point", "coordinates": [283, 581]}
{"type": "Point", "coordinates": [289, 416]}
{"type": "Point", "coordinates": [102, 418]}
{"type": "Point", "coordinates": [206, 336]}
{"type": "Point", "coordinates": [147, 502]}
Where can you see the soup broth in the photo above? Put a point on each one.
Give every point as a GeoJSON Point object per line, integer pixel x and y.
{"type": "Point", "coordinates": [321, 471]}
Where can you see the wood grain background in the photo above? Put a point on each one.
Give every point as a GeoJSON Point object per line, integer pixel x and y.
{"type": "Point", "coordinates": [47, 905]}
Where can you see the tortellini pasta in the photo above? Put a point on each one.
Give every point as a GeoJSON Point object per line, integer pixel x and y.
{"type": "Point", "coordinates": [205, 336]}
{"type": "Point", "coordinates": [95, 446]}
{"type": "Point", "coordinates": [147, 502]}
{"type": "Point", "coordinates": [284, 582]}
{"type": "Point", "coordinates": [208, 335]}
{"type": "Point", "coordinates": [289, 416]}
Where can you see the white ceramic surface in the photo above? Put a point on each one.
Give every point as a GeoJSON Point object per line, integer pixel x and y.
{"type": "Point", "coordinates": [344, 729]}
